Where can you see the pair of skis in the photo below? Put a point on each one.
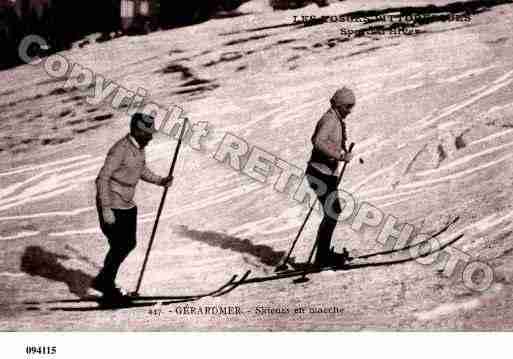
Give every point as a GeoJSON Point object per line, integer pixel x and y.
{"type": "Point", "coordinates": [137, 301]}
{"type": "Point", "coordinates": [235, 281]}
{"type": "Point", "coordinates": [306, 268]}
{"type": "Point", "coordinates": [226, 288]}
{"type": "Point", "coordinates": [409, 246]}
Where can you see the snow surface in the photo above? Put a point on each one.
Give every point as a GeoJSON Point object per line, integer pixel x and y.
{"type": "Point", "coordinates": [432, 123]}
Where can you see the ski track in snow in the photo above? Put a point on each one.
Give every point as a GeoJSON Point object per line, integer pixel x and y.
{"type": "Point", "coordinates": [13, 275]}
{"type": "Point", "coordinates": [464, 160]}
{"type": "Point", "coordinates": [498, 84]}
{"type": "Point", "coordinates": [405, 88]}
{"type": "Point", "coordinates": [37, 198]}
{"type": "Point", "coordinates": [209, 201]}
{"type": "Point", "coordinates": [86, 231]}
{"type": "Point", "coordinates": [388, 204]}
{"type": "Point", "coordinates": [373, 140]}
{"type": "Point", "coordinates": [466, 74]}
{"type": "Point", "coordinates": [55, 177]}
{"type": "Point", "coordinates": [491, 221]}
{"type": "Point", "coordinates": [429, 120]}
{"type": "Point", "coordinates": [450, 308]}
{"type": "Point", "coordinates": [291, 219]}
{"type": "Point", "coordinates": [366, 195]}
{"type": "Point", "coordinates": [476, 228]}
{"type": "Point", "coordinates": [46, 165]}
{"type": "Point", "coordinates": [500, 108]}
{"type": "Point", "coordinates": [56, 181]}
{"type": "Point", "coordinates": [492, 137]}
{"type": "Point", "coordinates": [478, 90]}
{"type": "Point", "coordinates": [200, 204]}
{"type": "Point", "coordinates": [70, 213]}
{"type": "Point", "coordinates": [59, 183]}
{"type": "Point", "coordinates": [23, 234]}
{"type": "Point", "coordinates": [237, 192]}
{"type": "Point", "coordinates": [8, 190]}
{"type": "Point", "coordinates": [282, 116]}
{"type": "Point", "coordinates": [454, 176]}
{"type": "Point", "coordinates": [390, 196]}
{"type": "Point", "coordinates": [371, 177]}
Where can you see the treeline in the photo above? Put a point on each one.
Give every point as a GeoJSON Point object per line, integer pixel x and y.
{"type": "Point", "coordinates": [173, 13]}
{"type": "Point", "coordinates": [62, 22]}
{"type": "Point", "coordinates": [295, 4]}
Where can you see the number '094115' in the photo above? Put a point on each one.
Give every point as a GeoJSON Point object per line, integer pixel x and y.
{"type": "Point", "coordinates": [41, 350]}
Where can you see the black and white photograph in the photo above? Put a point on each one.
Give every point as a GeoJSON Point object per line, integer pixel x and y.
{"type": "Point", "coordinates": [255, 166]}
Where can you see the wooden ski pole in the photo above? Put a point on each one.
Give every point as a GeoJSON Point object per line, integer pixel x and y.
{"type": "Point", "coordinates": [303, 278]}
{"type": "Point", "coordinates": [283, 265]}
{"type": "Point", "coordinates": [161, 207]}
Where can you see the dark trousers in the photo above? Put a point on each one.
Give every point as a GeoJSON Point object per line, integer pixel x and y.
{"type": "Point", "coordinates": [122, 240]}
{"type": "Point", "coordinates": [324, 185]}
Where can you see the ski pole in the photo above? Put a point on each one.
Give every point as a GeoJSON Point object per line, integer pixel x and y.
{"type": "Point", "coordinates": [303, 277]}
{"type": "Point", "coordinates": [161, 207]}
{"type": "Point", "coordinates": [283, 265]}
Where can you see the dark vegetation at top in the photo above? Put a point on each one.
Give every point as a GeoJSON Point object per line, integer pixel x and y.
{"type": "Point", "coordinates": [63, 22]}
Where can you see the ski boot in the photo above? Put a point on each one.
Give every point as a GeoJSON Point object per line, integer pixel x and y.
{"type": "Point", "coordinates": [339, 259]}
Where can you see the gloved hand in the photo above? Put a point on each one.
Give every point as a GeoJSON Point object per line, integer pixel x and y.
{"type": "Point", "coordinates": [108, 215]}
{"type": "Point", "coordinates": [167, 181]}
{"type": "Point", "coordinates": [346, 156]}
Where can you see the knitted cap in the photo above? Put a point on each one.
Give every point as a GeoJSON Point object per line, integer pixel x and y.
{"type": "Point", "coordinates": [343, 96]}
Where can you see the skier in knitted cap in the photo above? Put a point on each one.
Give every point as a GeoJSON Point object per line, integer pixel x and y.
{"type": "Point", "coordinates": [329, 148]}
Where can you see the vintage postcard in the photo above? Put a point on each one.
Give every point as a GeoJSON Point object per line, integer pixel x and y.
{"type": "Point", "coordinates": [258, 165]}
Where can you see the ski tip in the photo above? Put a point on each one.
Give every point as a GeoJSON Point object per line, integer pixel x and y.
{"type": "Point", "coordinates": [300, 280]}
{"type": "Point", "coordinates": [282, 267]}
{"type": "Point", "coordinates": [242, 278]}
{"type": "Point", "coordinates": [248, 272]}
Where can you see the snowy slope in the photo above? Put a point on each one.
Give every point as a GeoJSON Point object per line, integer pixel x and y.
{"type": "Point", "coordinates": [433, 124]}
